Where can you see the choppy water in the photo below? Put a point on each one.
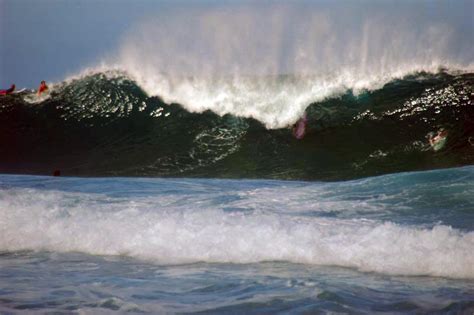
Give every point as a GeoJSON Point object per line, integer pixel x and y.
{"type": "Point", "coordinates": [400, 243]}
{"type": "Point", "coordinates": [77, 282]}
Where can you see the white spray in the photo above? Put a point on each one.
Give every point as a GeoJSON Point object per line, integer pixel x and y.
{"type": "Point", "coordinates": [270, 62]}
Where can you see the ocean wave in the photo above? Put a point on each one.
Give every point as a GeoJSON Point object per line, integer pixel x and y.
{"type": "Point", "coordinates": [270, 62]}
{"type": "Point", "coordinates": [105, 124]}
{"type": "Point", "coordinates": [241, 222]}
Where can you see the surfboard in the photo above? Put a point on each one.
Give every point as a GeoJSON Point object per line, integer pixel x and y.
{"type": "Point", "coordinates": [20, 91]}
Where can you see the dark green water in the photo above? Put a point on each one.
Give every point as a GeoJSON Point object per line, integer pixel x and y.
{"type": "Point", "coordinates": [102, 126]}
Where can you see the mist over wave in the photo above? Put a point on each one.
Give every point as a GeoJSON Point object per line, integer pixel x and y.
{"type": "Point", "coordinates": [270, 62]}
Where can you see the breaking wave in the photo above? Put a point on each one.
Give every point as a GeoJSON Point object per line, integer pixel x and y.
{"type": "Point", "coordinates": [226, 221]}
{"type": "Point", "coordinates": [214, 92]}
{"type": "Point", "coordinates": [106, 124]}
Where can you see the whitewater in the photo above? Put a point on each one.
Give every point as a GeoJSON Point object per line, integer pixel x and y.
{"type": "Point", "coordinates": [180, 230]}
{"type": "Point", "coordinates": [242, 223]}
{"type": "Point", "coordinates": [271, 62]}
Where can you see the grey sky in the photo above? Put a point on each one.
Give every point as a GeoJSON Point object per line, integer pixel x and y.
{"type": "Point", "coordinates": [51, 39]}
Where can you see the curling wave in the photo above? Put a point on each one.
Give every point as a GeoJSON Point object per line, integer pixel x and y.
{"type": "Point", "coordinates": [105, 124]}
{"type": "Point", "coordinates": [270, 61]}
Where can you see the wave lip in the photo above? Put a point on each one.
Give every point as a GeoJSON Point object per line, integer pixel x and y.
{"type": "Point", "coordinates": [223, 64]}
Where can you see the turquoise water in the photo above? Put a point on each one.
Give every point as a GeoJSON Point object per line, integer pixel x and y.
{"type": "Point", "coordinates": [399, 243]}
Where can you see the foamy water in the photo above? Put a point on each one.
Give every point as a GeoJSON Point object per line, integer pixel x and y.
{"type": "Point", "coordinates": [159, 244]}
{"type": "Point", "coordinates": [230, 60]}
{"type": "Point", "coordinates": [194, 221]}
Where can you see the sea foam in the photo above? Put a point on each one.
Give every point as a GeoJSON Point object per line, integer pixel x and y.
{"type": "Point", "coordinates": [177, 228]}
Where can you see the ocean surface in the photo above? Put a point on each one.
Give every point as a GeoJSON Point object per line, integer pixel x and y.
{"type": "Point", "coordinates": [399, 243]}
{"type": "Point", "coordinates": [298, 158]}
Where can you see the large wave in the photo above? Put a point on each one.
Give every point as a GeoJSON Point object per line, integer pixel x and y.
{"type": "Point", "coordinates": [270, 62]}
{"type": "Point", "coordinates": [105, 124]}
{"type": "Point", "coordinates": [214, 91]}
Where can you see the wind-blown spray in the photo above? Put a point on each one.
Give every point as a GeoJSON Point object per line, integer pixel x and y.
{"type": "Point", "coordinates": [271, 62]}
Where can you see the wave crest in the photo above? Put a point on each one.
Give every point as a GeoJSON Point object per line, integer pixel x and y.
{"type": "Point", "coordinates": [270, 63]}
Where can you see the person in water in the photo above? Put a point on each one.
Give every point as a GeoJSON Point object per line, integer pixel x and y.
{"type": "Point", "coordinates": [8, 91]}
{"type": "Point", "coordinates": [42, 88]}
{"type": "Point", "coordinates": [299, 129]}
{"type": "Point", "coordinates": [442, 134]}
{"type": "Point", "coordinates": [438, 141]}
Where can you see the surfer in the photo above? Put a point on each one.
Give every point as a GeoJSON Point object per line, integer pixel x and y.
{"type": "Point", "coordinates": [8, 91]}
{"type": "Point", "coordinates": [42, 88]}
{"type": "Point", "coordinates": [437, 142]}
{"type": "Point", "coordinates": [299, 129]}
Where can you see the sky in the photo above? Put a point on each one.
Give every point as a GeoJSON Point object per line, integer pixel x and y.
{"type": "Point", "coordinates": [53, 39]}
{"type": "Point", "coordinates": [50, 39]}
